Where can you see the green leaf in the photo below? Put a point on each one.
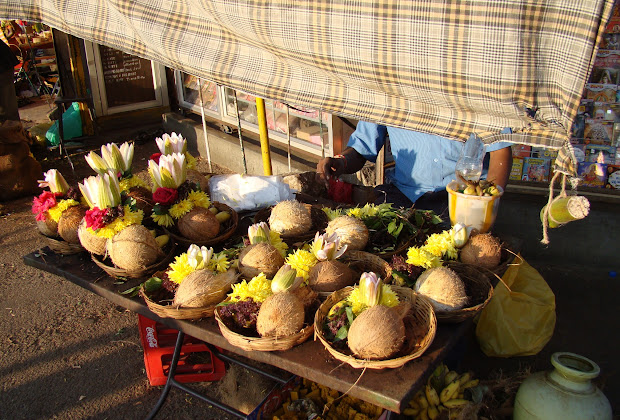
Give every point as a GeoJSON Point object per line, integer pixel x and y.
{"type": "Point", "coordinates": [153, 284]}
{"type": "Point", "coordinates": [342, 333]}
{"type": "Point", "coordinates": [350, 316]}
{"type": "Point", "coordinates": [132, 291]}
{"type": "Point", "coordinates": [158, 209]}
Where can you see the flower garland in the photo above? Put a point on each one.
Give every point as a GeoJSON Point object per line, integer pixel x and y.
{"type": "Point", "coordinates": [109, 221]}
{"type": "Point", "coordinates": [130, 182]}
{"type": "Point", "coordinates": [53, 204]}
{"type": "Point", "coordinates": [174, 203]}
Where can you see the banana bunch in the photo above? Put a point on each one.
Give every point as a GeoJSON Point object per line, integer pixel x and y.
{"type": "Point", "coordinates": [443, 392]}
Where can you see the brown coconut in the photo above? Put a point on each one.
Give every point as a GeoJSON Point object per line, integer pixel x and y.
{"type": "Point", "coordinates": [329, 276]}
{"type": "Point", "coordinates": [378, 333]}
{"type": "Point", "coordinates": [143, 197]}
{"type": "Point", "coordinates": [351, 232]}
{"type": "Point", "coordinates": [91, 242]}
{"type": "Point", "coordinates": [443, 287]}
{"type": "Point", "coordinates": [280, 315]}
{"type": "Point", "coordinates": [202, 288]}
{"type": "Point", "coordinates": [199, 224]}
{"type": "Point", "coordinates": [260, 258]}
{"type": "Point", "coordinates": [483, 250]}
{"type": "Point", "coordinates": [290, 217]}
{"type": "Point", "coordinates": [69, 223]}
{"type": "Point", "coordinates": [48, 227]}
{"type": "Point", "coordinates": [134, 248]}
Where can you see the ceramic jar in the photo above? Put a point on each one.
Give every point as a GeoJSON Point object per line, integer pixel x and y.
{"type": "Point", "coordinates": [566, 392]}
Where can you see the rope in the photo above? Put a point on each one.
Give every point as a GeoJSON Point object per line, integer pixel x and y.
{"type": "Point", "coordinates": [547, 211]}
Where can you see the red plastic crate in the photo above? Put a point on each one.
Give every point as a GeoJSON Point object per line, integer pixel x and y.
{"type": "Point", "coordinates": [196, 362]}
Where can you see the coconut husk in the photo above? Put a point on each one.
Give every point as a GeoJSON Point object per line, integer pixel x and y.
{"type": "Point", "coordinates": [91, 242]}
{"type": "Point", "coordinates": [290, 217]}
{"type": "Point", "coordinates": [69, 223]}
{"type": "Point", "coordinates": [134, 248]}
{"type": "Point", "coordinates": [378, 333]}
{"type": "Point", "coordinates": [443, 287]}
{"type": "Point", "coordinates": [203, 288]}
{"type": "Point", "coordinates": [329, 276]}
{"type": "Point", "coordinates": [350, 230]}
{"type": "Point", "coordinates": [48, 227]}
{"type": "Point", "coordinates": [484, 250]}
{"type": "Point", "coordinates": [199, 224]}
{"type": "Point", "coordinates": [144, 199]}
{"type": "Point", "coordinates": [260, 258]}
{"type": "Point", "coordinates": [280, 315]}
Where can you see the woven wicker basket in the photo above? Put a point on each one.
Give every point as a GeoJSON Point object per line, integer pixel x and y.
{"type": "Point", "coordinates": [60, 246]}
{"type": "Point", "coordinates": [421, 319]}
{"type": "Point", "coordinates": [227, 229]}
{"type": "Point", "coordinates": [319, 223]}
{"type": "Point", "coordinates": [168, 311]}
{"type": "Point", "coordinates": [263, 343]}
{"type": "Point", "coordinates": [362, 261]}
{"type": "Point", "coordinates": [116, 272]}
{"type": "Point", "coordinates": [478, 289]}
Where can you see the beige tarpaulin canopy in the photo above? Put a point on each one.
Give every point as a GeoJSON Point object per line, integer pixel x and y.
{"type": "Point", "coordinates": [444, 67]}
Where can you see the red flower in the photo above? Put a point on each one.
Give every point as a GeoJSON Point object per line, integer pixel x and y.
{"type": "Point", "coordinates": [155, 157]}
{"type": "Point", "coordinates": [45, 201]}
{"type": "Point", "coordinates": [165, 196]}
{"type": "Point", "coordinates": [95, 218]}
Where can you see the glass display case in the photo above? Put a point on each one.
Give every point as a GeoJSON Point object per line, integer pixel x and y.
{"type": "Point", "coordinates": [188, 93]}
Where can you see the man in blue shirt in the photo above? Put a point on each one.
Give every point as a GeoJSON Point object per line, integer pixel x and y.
{"type": "Point", "coordinates": [424, 164]}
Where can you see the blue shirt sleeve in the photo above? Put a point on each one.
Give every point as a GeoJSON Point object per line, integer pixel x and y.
{"type": "Point", "coordinates": [368, 139]}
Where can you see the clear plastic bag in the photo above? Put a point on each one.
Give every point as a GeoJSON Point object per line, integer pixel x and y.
{"type": "Point", "coordinates": [247, 192]}
{"type": "Point", "coordinates": [520, 317]}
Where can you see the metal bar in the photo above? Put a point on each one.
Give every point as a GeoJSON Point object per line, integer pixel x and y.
{"type": "Point", "coordinates": [204, 124]}
{"type": "Point", "coordinates": [245, 165]}
{"type": "Point", "coordinates": [288, 136]}
{"type": "Point", "coordinates": [231, 359]}
{"type": "Point", "coordinates": [264, 135]}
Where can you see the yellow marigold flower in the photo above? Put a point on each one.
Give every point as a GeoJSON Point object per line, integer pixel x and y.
{"type": "Point", "coordinates": [191, 160]}
{"type": "Point", "coordinates": [180, 268]}
{"type": "Point", "coordinates": [440, 244]}
{"type": "Point", "coordinates": [355, 212]}
{"type": "Point", "coordinates": [126, 184]}
{"type": "Point", "coordinates": [332, 213]}
{"type": "Point", "coordinates": [259, 289]}
{"type": "Point", "coordinates": [200, 199]}
{"type": "Point", "coordinates": [422, 258]}
{"type": "Point", "coordinates": [278, 243]}
{"type": "Point", "coordinates": [120, 223]}
{"type": "Point", "coordinates": [56, 211]}
{"type": "Point", "coordinates": [180, 209]}
{"type": "Point", "coordinates": [355, 298]}
{"type": "Point", "coordinates": [302, 261]}
{"type": "Point", "coordinates": [218, 263]}
{"type": "Point", "coordinates": [163, 219]}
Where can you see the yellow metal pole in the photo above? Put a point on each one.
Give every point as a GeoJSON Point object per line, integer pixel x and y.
{"type": "Point", "coordinates": [264, 135]}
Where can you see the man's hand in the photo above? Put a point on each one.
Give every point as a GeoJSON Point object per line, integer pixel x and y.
{"type": "Point", "coordinates": [330, 167]}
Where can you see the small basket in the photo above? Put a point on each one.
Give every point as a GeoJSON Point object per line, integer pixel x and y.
{"type": "Point", "coordinates": [62, 247]}
{"type": "Point", "coordinates": [228, 228]}
{"type": "Point", "coordinates": [477, 287]}
{"type": "Point", "coordinates": [248, 343]}
{"type": "Point", "coordinates": [510, 250]}
{"type": "Point", "coordinates": [319, 223]}
{"type": "Point", "coordinates": [420, 321]}
{"type": "Point", "coordinates": [168, 311]}
{"type": "Point", "coordinates": [117, 272]}
{"type": "Point", "coordinates": [362, 261]}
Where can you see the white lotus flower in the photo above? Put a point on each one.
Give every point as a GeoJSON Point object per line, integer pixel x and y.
{"type": "Point", "coordinates": [112, 158]}
{"type": "Point", "coordinates": [170, 172]}
{"type": "Point", "coordinates": [199, 257]}
{"type": "Point", "coordinates": [102, 191]}
{"type": "Point", "coordinates": [327, 247]}
{"type": "Point", "coordinates": [169, 144]}
{"type": "Point", "coordinates": [96, 163]}
{"type": "Point", "coordinates": [54, 181]}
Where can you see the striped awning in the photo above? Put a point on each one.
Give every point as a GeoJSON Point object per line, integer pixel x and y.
{"type": "Point", "coordinates": [446, 67]}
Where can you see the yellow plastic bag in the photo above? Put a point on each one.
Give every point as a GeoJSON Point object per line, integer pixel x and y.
{"type": "Point", "coordinates": [520, 317]}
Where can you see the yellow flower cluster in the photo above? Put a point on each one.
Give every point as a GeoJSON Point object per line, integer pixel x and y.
{"type": "Point", "coordinates": [259, 289]}
{"type": "Point", "coordinates": [302, 261]}
{"type": "Point", "coordinates": [369, 210]}
{"type": "Point", "coordinates": [120, 223]}
{"type": "Point", "coordinates": [355, 299]}
{"type": "Point", "coordinates": [126, 184]}
{"type": "Point", "coordinates": [194, 199]}
{"type": "Point", "coordinates": [278, 243]}
{"type": "Point", "coordinates": [56, 211]}
{"type": "Point", "coordinates": [163, 219]}
{"type": "Point", "coordinates": [218, 262]}
{"type": "Point", "coordinates": [181, 267]}
{"type": "Point", "coordinates": [436, 247]}
{"type": "Point", "coordinates": [332, 213]}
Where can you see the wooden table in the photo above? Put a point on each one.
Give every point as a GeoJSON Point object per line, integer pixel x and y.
{"type": "Point", "coordinates": [388, 388]}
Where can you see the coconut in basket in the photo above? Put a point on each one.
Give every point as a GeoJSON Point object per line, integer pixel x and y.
{"type": "Point", "coordinates": [181, 203]}
{"type": "Point", "coordinates": [58, 211]}
{"type": "Point", "coordinates": [370, 319]}
{"type": "Point", "coordinates": [329, 274]}
{"type": "Point", "coordinates": [264, 254]}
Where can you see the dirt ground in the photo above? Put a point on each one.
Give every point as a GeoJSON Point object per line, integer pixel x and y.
{"type": "Point", "coordinates": [67, 353]}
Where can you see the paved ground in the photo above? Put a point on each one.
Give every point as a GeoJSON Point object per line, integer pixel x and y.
{"type": "Point", "coordinates": [68, 354]}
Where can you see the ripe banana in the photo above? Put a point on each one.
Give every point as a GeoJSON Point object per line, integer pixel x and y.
{"type": "Point", "coordinates": [470, 384]}
{"type": "Point", "coordinates": [423, 414]}
{"type": "Point", "coordinates": [411, 412]}
{"type": "Point", "coordinates": [455, 402]}
{"type": "Point", "coordinates": [222, 216]}
{"type": "Point", "coordinates": [449, 391]}
{"type": "Point", "coordinates": [431, 395]}
{"type": "Point", "coordinates": [451, 376]}
{"type": "Point", "coordinates": [162, 240]}
{"type": "Point", "coordinates": [421, 400]}
{"type": "Point", "coordinates": [414, 404]}
{"type": "Point", "coordinates": [464, 377]}
{"type": "Point", "coordinates": [432, 412]}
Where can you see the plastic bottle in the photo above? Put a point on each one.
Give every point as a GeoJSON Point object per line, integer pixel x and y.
{"type": "Point", "coordinates": [469, 165]}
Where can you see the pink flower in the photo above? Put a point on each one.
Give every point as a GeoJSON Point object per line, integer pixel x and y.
{"type": "Point", "coordinates": [155, 157]}
{"type": "Point", "coordinates": [95, 218]}
{"type": "Point", "coordinates": [45, 201]}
